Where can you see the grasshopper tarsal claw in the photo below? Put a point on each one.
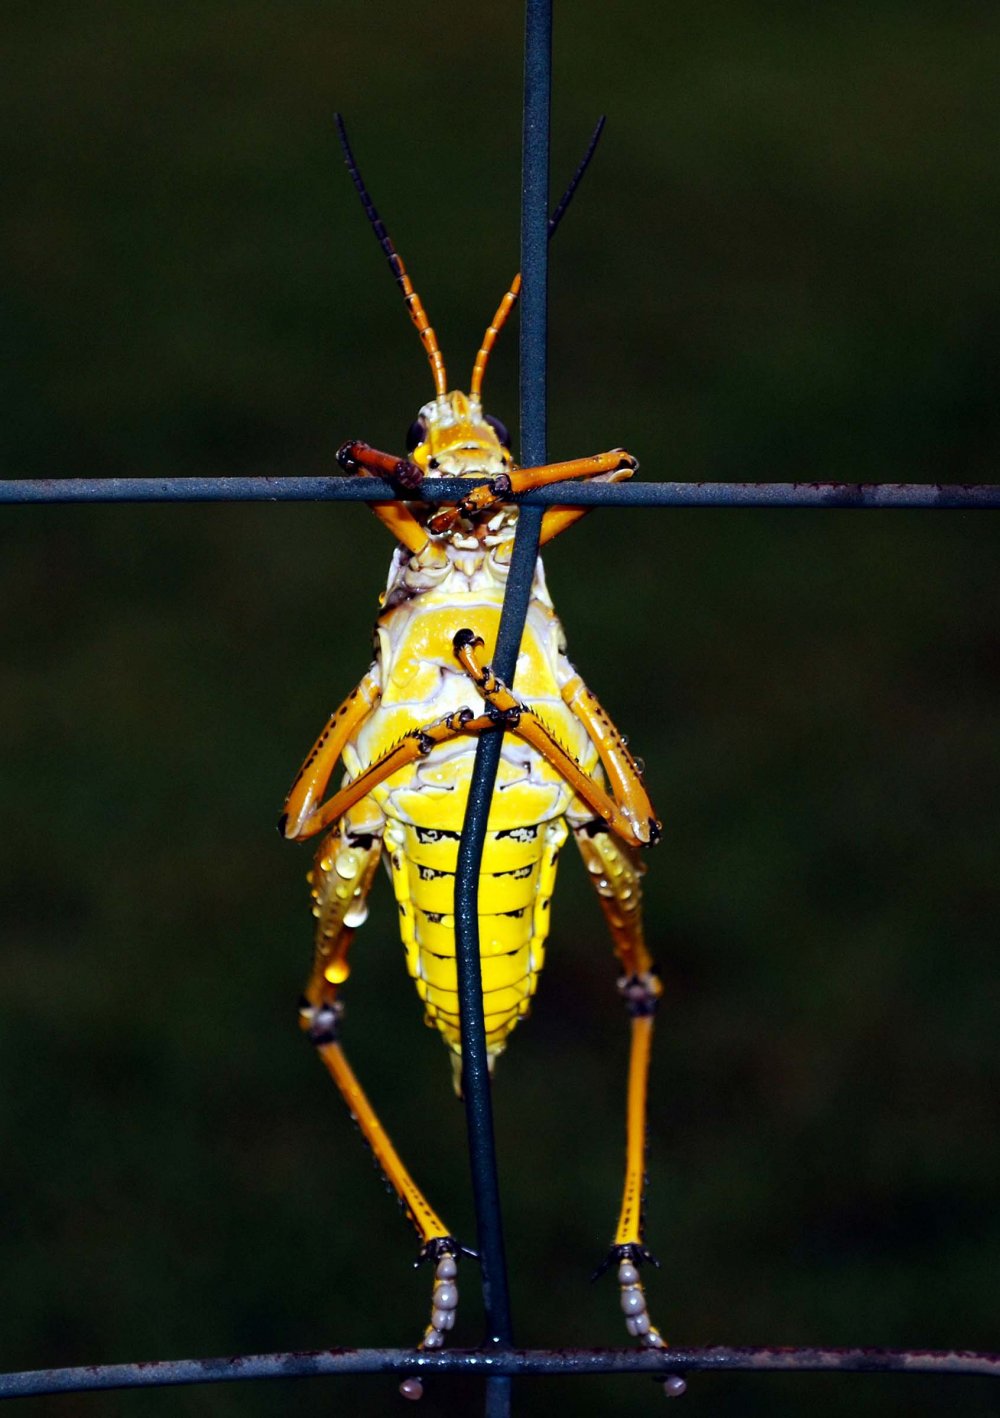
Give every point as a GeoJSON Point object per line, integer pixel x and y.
{"type": "Point", "coordinates": [635, 1255]}
{"type": "Point", "coordinates": [442, 1246]}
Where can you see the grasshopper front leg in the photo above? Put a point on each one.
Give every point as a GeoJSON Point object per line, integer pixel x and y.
{"type": "Point", "coordinates": [486, 496]}
{"type": "Point", "coordinates": [357, 457]}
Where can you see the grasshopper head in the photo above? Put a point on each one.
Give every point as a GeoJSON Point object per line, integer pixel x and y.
{"type": "Point", "coordinates": [452, 438]}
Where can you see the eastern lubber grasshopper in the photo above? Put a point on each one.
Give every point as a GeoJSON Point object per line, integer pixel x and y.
{"type": "Point", "coordinates": [407, 736]}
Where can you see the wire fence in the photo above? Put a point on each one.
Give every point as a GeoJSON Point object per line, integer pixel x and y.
{"type": "Point", "coordinates": [955, 497]}
{"type": "Point", "coordinates": [497, 1360]}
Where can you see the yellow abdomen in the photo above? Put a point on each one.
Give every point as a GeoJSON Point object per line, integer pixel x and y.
{"type": "Point", "coordinates": [515, 893]}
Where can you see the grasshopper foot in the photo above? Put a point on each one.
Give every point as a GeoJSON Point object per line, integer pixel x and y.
{"type": "Point", "coordinates": [445, 1252]}
{"type": "Point", "coordinates": [633, 1299]}
{"type": "Point", "coordinates": [444, 1302]}
{"type": "Point", "coordinates": [633, 1303]}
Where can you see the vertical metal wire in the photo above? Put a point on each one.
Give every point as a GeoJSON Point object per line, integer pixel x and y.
{"type": "Point", "coordinates": [476, 1083]}
{"type": "Point", "coordinates": [535, 235]}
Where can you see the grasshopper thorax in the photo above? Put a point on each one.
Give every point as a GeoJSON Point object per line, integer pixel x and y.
{"type": "Point", "coordinates": [452, 438]}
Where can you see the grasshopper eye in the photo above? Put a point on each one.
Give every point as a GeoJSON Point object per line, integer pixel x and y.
{"type": "Point", "coordinates": [500, 429]}
{"type": "Point", "coordinates": [416, 433]}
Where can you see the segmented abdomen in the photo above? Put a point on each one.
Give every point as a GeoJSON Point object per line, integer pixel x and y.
{"type": "Point", "coordinates": [516, 884]}
{"type": "Point", "coordinates": [423, 805]}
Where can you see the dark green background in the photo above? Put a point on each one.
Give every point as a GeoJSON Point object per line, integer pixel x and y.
{"type": "Point", "coordinates": [783, 265]}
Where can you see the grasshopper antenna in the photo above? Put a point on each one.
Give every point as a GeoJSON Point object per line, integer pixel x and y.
{"type": "Point", "coordinates": [413, 302]}
{"type": "Point", "coordinates": [559, 211]}
{"type": "Point", "coordinates": [510, 299]}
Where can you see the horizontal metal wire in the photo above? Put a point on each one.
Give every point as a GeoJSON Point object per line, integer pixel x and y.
{"type": "Point", "coordinates": [940, 496]}
{"type": "Point", "coordinates": [319, 1362]}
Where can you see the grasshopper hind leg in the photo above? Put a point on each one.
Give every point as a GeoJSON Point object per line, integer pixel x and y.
{"type": "Point", "coordinates": [345, 865]}
{"type": "Point", "coordinates": [615, 871]}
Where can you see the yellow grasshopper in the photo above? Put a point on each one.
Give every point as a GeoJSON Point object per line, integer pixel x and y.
{"type": "Point", "coordinates": [407, 738]}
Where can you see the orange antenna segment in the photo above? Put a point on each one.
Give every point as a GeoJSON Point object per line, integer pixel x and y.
{"type": "Point", "coordinates": [492, 331]}
{"type": "Point", "coordinates": [510, 299]}
{"type": "Point", "coordinates": [413, 302]}
{"type": "Point", "coordinates": [419, 317]}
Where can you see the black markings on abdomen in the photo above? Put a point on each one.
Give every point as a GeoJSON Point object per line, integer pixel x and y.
{"type": "Point", "coordinates": [436, 834]}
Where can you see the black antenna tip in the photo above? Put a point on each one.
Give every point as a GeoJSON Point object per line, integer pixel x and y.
{"type": "Point", "coordinates": [567, 196]}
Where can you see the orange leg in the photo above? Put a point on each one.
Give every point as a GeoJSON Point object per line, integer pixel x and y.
{"type": "Point", "coordinates": [298, 816]}
{"type": "Point", "coordinates": [629, 811]}
{"type": "Point", "coordinates": [615, 872]}
{"type": "Point", "coordinates": [622, 770]}
{"type": "Point", "coordinates": [416, 744]}
{"type": "Point", "coordinates": [617, 461]}
{"type": "Point", "coordinates": [615, 869]}
{"type": "Point", "coordinates": [486, 496]}
{"type": "Point", "coordinates": [341, 878]}
{"type": "Point", "coordinates": [557, 519]}
{"type": "Point", "coordinates": [356, 457]}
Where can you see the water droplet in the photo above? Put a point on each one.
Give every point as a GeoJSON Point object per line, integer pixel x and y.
{"type": "Point", "coordinates": [356, 914]}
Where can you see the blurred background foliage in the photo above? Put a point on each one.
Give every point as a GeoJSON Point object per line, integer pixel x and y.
{"type": "Point", "coordinates": [783, 265]}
